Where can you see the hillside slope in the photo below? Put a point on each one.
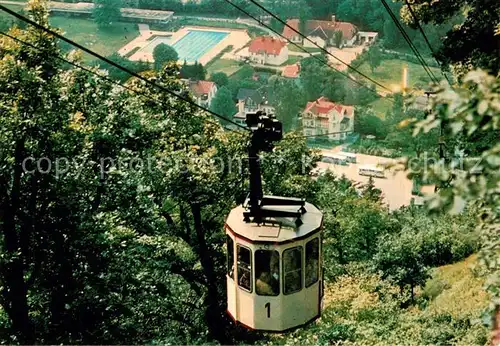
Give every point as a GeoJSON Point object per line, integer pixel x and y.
{"type": "Point", "coordinates": [365, 310]}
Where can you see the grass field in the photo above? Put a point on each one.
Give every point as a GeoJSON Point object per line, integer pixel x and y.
{"type": "Point", "coordinates": [223, 65]}
{"type": "Point", "coordinates": [389, 73]}
{"type": "Point", "coordinates": [85, 32]}
{"type": "Point", "coordinates": [292, 60]}
{"type": "Point", "coordinates": [7, 17]}
{"type": "Point", "coordinates": [294, 48]}
{"type": "Point", "coordinates": [381, 106]}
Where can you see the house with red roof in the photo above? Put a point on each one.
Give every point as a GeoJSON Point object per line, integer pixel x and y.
{"type": "Point", "coordinates": [291, 71]}
{"type": "Point", "coordinates": [266, 50]}
{"type": "Point", "coordinates": [322, 117]}
{"type": "Point", "coordinates": [203, 91]}
{"type": "Point", "coordinates": [327, 33]}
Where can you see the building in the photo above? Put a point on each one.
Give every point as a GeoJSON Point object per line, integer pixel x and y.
{"type": "Point", "coordinates": [323, 116]}
{"type": "Point", "coordinates": [326, 33]}
{"type": "Point", "coordinates": [128, 14]}
{"type": "Point", "coordinates": [266, 50]}
{"type": "Point", "coordinates": [203, 91]}
{"type": "Point", "coordinates": [251, 101]}
{"type": "Point", "coordinates": [291, 71]}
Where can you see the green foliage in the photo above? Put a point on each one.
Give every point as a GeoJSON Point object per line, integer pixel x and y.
{"type": "Point", "coordinates": [107, 12]}
{"type": "Point", "coordinates": [163, 54]}
{"type": "Point", "coordinates": [292, 159]}
{"type": "Point", "coordinates": [399, 260]}
{"type": "Point", "coordinates": [112, 252]}
{"type": "Point", "coordinates": [367, 123]}
{"type": "Point", "coordinates": [118, 74]}
{"type": "Point", "coordinates": [374, 57]}
{"type": "Point", "coordinates": [471, 109]}
{"type": "Point", "coordinates": [223, 103]}
{"type": "Point", "coordinates": [289, 101]}
{"type": "Point", "coordinates": [351, 223]}
{"type": "Point", "coordinates": [194, 71]}
{"type": "Point", "coordinates": [285, 9]}
{"type": "Point", "coordinates": [219, 78]}
{"type": "Point", "coordinates": [246, 72]}
{"type": "Point", "coordinates": [473, 41]}
{"type": "Point", "coordinates": [338, 38]}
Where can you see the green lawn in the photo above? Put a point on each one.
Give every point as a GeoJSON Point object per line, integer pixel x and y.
{"type": "Point", "coordinates": [381, 106]}
{"type": "Point", "coordinates": [86, 33]}
{"type": "Point", "coordinates": [293, 48]}
{"type": "Point", "coordinates": [292, 59]}
{"type": "Point", "coordinates": [223, 65]}
{"type": "Point", "coordinates": [4, 16]}
{"type": "Point", "coordinates": [390, 72]}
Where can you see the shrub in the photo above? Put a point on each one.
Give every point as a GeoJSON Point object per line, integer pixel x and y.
{"type": "Point", "coordinates": [337, 332]}
{"type": "Point", "coordinates": [433, 288]}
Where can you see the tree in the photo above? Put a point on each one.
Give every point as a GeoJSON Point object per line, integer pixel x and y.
{"type": "Point", "coordinates": [99, 243]}
{"type": "Point", "coordinates": [163, 54]}
{"type": "Point", "coordinates": [288, 102]}
{"type": "Point", "coordinates": [399, 259]}
{"type": "Point", "coordinates": [466, 112]}
{"type": "Point", "coordinates": [286, 9]}
{"type": "Point", "coordinates": [220, 78]}
{"type": "Point", "coordinates": [392, 38]}
{"type": "Point", "coordinates": [367, 123]}
{"type": "Point", "coordinates": [321, 9]}
{"type": "Point", "coordinates": [107, 12]}
{"type": "Point", "coordinates": [352, 222]}
{"type": "Point", "coordinates": [313, 75]}
{"type": "Point", "coordinates": [195, 71]}
{"type": "Point", "coordinates": [473, 41]}
{"type": "Point", "coordinates": [371, 192]}
{"type": "Point", "coordinates": [223, 103]}
{"type": "Point", "coordinates": [338, 38]}
{"type": "Point", "coordinates": [246, 72]}
{"type": "Point", "coordinates": [116, 73]}
{"type": "Point", "coordinates": [374, 57]}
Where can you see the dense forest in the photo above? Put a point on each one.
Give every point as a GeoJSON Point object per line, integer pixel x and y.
{"type": "Point", "coordinates": [113, 199]}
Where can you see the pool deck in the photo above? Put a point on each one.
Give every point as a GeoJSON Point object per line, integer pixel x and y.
{"type": "Point", "coordinates": [236, 38]}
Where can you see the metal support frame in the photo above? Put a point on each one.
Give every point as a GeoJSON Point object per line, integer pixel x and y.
{"type": "Point", "coordinates": [266, 130]}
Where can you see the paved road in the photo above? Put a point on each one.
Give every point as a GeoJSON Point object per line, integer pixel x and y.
{"type": "Point", "coordinates": [304, 54]}
{"type": "Point", "coordinates": [396, 187]}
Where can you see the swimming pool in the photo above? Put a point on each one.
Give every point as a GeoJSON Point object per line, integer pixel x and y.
{"type": "Point", "coordinates": [190, 47]}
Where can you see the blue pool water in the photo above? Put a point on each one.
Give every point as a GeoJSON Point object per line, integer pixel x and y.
{"type": "Point", "coordinates": [192, 46]}
{"type": "Point", "coordinates": [196, 43]}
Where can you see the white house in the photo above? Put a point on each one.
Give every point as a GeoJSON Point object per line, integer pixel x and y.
{"type": "Point", "coordinates": [325, 33]}
{"type": "Point", "coordinates": [203, 91]}
{"type": "Point", "coordinates": [268, 50]}
{"type": "Point", "coordinates": [323, 117]}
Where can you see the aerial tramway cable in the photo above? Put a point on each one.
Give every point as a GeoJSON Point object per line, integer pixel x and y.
{"type": "Point", "coordinates": [126, 70]}
{"type": "Point", "coordinates": [312, 55]}
{"type": "Point", "coordinates": [114, 64]}
{"type": "Point", "coordinates": [93, 72]}
{"type": "Point", "coordinates": [417, 22]}
{"type": "Point", "coordinates": [410, 43]}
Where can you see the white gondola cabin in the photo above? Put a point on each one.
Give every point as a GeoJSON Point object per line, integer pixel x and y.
{"type": "Point", "coordinates": [274, 272]}
{"type": "Point", "coordinates": [274, 275]}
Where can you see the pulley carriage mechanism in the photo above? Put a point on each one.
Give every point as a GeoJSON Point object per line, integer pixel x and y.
{"type": "Point", "coordinates": [274, 260]}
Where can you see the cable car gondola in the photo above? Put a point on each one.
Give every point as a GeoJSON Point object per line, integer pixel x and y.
{"type": "Point", "coordinates": [274, 262]}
